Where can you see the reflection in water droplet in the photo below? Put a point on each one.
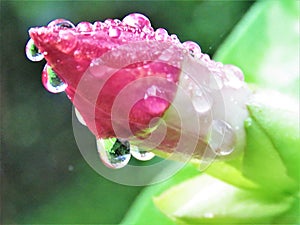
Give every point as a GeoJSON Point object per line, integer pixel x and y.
{"type": "Point", "coordinates": [79, 117]}
{"type": "Point", "coordinates": [61, 23]}
{"type": "Point", "coordinates": [113, 152]}
{"type": "Point", "coordinates": [32, 52]}
{"type": "Point", "coordinates": [201, 102]}
{"type": "Point", "coordinates": [141, 155]}
{"type": "Point", "coordinates": [193, 48]}
{"type": "Point", "coordinates": [136, 20]}
{"type": "Point", "coordinates": [222, 138]}
{"type": "Point", "coordinates": [114, 32]}
{"type": "Point", "coordinates": [51, 81]}
{"type": "Point", "coordinates": [161, 34]}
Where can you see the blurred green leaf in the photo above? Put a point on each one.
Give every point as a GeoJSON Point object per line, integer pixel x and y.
{"type": "Point", "coordinates": [144, 211]}
{"type": "Point", "coordinates": [265, 45]}
{"type": "Point", "coordinates": [275, 155]}
{"type": "Point", "coordinates": [204, 199]}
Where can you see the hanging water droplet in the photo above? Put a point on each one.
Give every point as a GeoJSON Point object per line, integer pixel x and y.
{"type": "Point", "coordinates": [161, 34]}
{"type": "Point", "coordinates": [51, 81]}
{"type": "Point", "coordinates": [114, 32]}
{"type": "Point", "coordinates": [222, 138]}
{"type": "Point", "coordinates": [113, 152]}
{"type": "Point", "coordinates": [136, 20]}
{"type": "Point", "coordinates": [79, 117]}
{"type": "Point", "coordinates": [201, 102]}
{"type": "Point", "coordinates": [140, 154]}
{"type": "Point", "coordinates": [193, 48]}
{"type": "Point", "coordinates": [32, 52]}
{"type": "Point", "coordinates": [61, 23]}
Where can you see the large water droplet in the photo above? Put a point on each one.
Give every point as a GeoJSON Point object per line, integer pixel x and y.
{"type": "Point", "coordinates": [136, 20]}
{"type": "Point", "coordinates": [201, 101]}
{"type": "Point", "coordinates": [193, 48]}
{"type": "Point", "coordinates": [161, 34]}
{"type": "Point", "coordinates": [114, 32]}
{"type": "Point", "coordinates": [51, 81]}
{"type": "Point", "coordinates": [32, 52]}
{"type": "Point", "coordinates": [113, 152]}
{"type": "Point", "coordinates": [79, 117]}
{"type": "Point", "coordinates": [222, 138]}
{"type": "Point", "coordinates": [140, 154]}
{"type": "Point", "coordinates": [61, 23]}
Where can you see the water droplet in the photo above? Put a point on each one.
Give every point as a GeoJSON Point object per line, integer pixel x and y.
{"type": "Point", "coordinates": [193, 48]}
{"type": "Point", "coordinates": [70, 168]}
{"type": "Point", "coordinates": [141, 155]}
{"type": "Point", "coordinates": [234, 76]}
{"type": "Point", "coordinates": [51, 81]}
{"type": "Point", "coordinates": [114, 153]}
{"type": "Point", "coordinates": [174, 39]}
{"type": "Point", "coordinates": [61, 23]}
{"type": "Point", "coordinates": [32, 52]}
{"type": "Point", "coordinates": [136, 20]}
{"type": "Point", "coordinates": [79, 117]}
{"type": "Point", "coordinates": [84, 27]}
{"type": "Point", "coordinates": [222, 138]}
{"type": "Point", "coordinates": [201, 102]}
{"type": "Point", "coordinates": [161, 34]}
{"type": "Point", "coordinates": [114, 32]}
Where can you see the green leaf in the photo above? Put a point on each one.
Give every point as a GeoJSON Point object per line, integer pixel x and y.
{"type": "Point", "coordinates": [273, 140]}
{"type": "Point", "coordinates": [204, 199]}
{"type": "Point", "coordinates": [143, 210]}
{"type": "Point", "coordinates": [265, 45]}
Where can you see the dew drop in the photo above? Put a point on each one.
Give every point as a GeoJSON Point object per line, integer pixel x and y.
{"type": "Point", "coordinates": [222, 138]}
{"type": "Point", "coordinates": [51, 81]}
{"type": "Point", "coordinates": [234, 76]}
{"type": "Point", "coordinates": [136, 20]}
{"type": "Point", "coordinates": [79, 117]}
{"type": "Point", "coordinates": [61, 23]}
{"type": "Point", "coordinates": [113, 152]}
{"type": "Point", "coordinates": [32, 52]}
{"type": "Point", "coordinates": [161, 34]}
{"type": "Point", "coordinates": [201, 102]}
{"type": "Point", "coordinates": [84, 27]}
{"type": "Point", "coordinates": [141, 155]}
{"type": "Point", "coordinates": [193, 48]}
{"type": "Point", "coordinates": [174, 39]}
{"type": "Point", "coordinates": [114, 32]}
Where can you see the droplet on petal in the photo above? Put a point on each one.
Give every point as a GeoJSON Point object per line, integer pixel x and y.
{"type": "Point", "coordinates": [140, 154]}
{"type": "Point", "coordinates": [114, 32]}
{"type": "Point", "coordinates": [136, 20]}
{"type": "Point", "coordinates": [32, 52]}
{"type": "Point", "coordinates": [222, 138]}
{"type": "Point", "coordinates": [234, 76]}
{"type": "Point", "coordinates": [193, 48]}
{"type": "Point", "coordinates": [161, 34]}
{"type": "Point", "coordinates": [61, 23]}
{"type": "Point", "coordinates": [84, 27]}
{"type": "Point", "coordinates": [174, 39]}
{"type": "Point", "coordinates": [79, 117]}
{"type": "Point", "coordinates": [51, 81]}
{"type": "Point", "coordinates": [202, 103]}
{"type": "Point", "coordinates": [113, 152]}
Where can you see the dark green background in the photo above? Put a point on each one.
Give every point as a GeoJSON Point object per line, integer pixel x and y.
{"type": "Point", "coordinates": [40, 162]}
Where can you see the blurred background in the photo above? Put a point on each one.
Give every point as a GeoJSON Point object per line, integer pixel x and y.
{"type": "Point", "coordinates": [41, 166]}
